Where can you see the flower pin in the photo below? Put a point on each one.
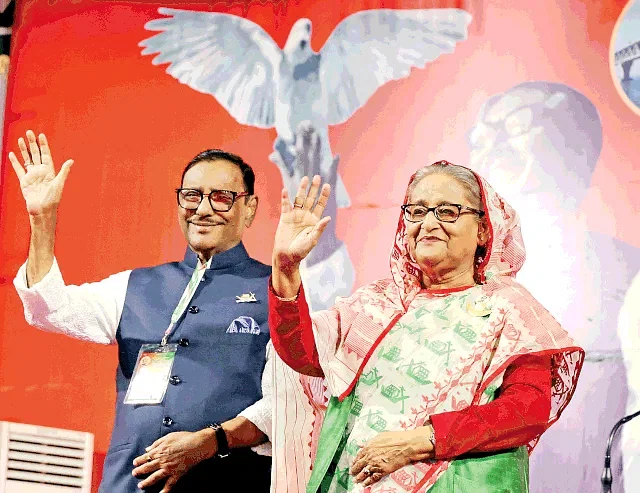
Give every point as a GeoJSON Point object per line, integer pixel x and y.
{"type": "Point", "coordinates": [246, 298]}
{"type": "Point", "coordinates": [481, 307]}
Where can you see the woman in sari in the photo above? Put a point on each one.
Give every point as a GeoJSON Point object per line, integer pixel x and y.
{"type": "Point", "coordinates": [442, 377]}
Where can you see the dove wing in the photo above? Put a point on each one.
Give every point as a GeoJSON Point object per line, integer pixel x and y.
{"type": "Point", "coordinates": [224, 55]}
{"type": "Point", "coordinates": [372, 47]}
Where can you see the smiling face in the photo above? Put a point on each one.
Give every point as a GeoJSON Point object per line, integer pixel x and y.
{"type": "Point", "coordinates": [209, 232]}
{"type": "Point", "coordinates": [445, 252]}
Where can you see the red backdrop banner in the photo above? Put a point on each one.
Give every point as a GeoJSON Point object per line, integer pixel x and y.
{"type": "Point", "coordinates": [78, 75]}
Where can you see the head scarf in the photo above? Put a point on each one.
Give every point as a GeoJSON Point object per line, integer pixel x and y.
{"type": "Point", "coordinates": [504, 254]}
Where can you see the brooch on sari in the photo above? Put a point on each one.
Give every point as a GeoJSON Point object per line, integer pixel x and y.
{"type": "Point", "coordinates": [480, 307]}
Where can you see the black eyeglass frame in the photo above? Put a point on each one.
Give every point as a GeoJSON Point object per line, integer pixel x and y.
{"type": "Point", "coordinates": [460, 208]}
{"type": "Point", "coordinates": [234, 195]}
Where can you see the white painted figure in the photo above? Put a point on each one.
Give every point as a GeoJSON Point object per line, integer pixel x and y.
{"type": "Point", "coordinates": [300, 92]}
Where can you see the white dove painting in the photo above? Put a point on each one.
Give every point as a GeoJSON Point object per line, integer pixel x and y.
{"type": "Point", "coordinates": [301, 93]}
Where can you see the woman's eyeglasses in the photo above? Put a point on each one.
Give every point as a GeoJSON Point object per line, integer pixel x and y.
{"type": "Point", "coordinates": [446, 213]}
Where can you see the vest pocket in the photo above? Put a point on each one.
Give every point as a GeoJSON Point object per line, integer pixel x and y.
{"type": "Point", "coordinates": [244, 330]}
{"type": "Point", "coordinates": [119, 447]}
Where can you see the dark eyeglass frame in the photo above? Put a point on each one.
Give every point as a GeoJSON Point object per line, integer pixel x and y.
{"type": "Point", "coordinates": [435, 212]}
{"type": "Point", "coordinates": [234, 196]}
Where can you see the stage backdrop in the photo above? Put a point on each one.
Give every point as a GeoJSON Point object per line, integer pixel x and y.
{"type": "Point", "coordinates": [526, 93]}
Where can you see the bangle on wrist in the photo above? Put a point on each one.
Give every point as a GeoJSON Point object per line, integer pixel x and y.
{"type": "Point", "coordinates": [281, 298]}
{"type": "Point", "coordinates": [293, 298]}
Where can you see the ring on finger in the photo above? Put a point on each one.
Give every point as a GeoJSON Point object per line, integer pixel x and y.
{"type": "Point", "coordinates": [149, 458]}
{"type": "Point", "coordinates": [367, 471]}
{"type": "Point", "coordinates": [298, 204]}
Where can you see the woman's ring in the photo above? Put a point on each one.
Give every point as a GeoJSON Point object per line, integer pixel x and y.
{"type": "Point", "coordinates": [367, 471]}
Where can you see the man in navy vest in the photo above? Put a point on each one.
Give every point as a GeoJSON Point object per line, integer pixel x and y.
{"type": "Point", "coordinates": [192, 335]}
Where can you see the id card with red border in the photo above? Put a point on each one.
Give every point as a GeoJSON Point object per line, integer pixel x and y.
{"type": "Point", "coordinates": [151, 374]}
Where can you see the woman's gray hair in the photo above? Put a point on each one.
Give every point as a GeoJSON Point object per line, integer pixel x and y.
{"type": "Point", "coordinates": [463, 175]}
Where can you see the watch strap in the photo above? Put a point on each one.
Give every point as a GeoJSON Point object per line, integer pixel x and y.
{"type": "Point", "coordinates": [221, 439]}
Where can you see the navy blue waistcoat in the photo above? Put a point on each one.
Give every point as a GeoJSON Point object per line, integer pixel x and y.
{"type": "Point", "coordinates": [218, 368]}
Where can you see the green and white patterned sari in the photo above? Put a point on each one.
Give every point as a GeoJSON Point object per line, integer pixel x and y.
{"type": "Point", "coordinates": [439, 339]}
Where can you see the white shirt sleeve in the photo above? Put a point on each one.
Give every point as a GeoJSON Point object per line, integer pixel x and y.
{"type": "Point", "coordinates": [259, 413]}
{"type": "Point", "coordinates": [90, 312]}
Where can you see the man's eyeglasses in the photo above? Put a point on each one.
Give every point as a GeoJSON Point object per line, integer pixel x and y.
{"type": "Point", "coordinates": [446, 213]}
{"type": "Point", "coordinates": [220, 200]}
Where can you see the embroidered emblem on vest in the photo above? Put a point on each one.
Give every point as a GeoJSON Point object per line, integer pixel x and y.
{"type": "Point", "coordinates": [243, 325]}
{"type": "Point", "coordinates": [246, 298]}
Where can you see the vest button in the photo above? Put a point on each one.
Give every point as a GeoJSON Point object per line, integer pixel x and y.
{"type": "Point", "coordinates": [184, 342]}
{"type": "Point", "coordinates": [194, 309]}
{"type": "Point", "coordinates": [175, 380]}
{"type": "Point", "coordinates": [167, 421]}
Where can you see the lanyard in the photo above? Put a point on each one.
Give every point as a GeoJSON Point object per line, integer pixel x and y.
{"type": "Point", "coordinates": [188, 293]}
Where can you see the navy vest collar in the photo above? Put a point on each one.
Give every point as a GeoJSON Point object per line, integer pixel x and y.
{"type": "Point", "coordinates": [223, 260]}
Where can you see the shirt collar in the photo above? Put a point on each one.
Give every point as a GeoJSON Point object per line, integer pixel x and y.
{"type": "Point", "coordinates": [222, 260]}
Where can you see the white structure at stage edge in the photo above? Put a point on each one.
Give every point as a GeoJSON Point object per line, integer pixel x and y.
{"type": "Point", "coordinates": [38, 459]}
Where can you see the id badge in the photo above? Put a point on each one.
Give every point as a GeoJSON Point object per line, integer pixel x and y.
{"type": "Point", "coordinates": [151, 375]}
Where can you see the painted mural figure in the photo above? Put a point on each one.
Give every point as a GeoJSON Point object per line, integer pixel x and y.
{"type": "Point", "coordinates": [327, 271]}
{"type": "Point", "coordinates": [300, 92]}
{"type": "Point", "coordinates": [455, 253]}
{"type": "Point", "coordinates": [539, 143]}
